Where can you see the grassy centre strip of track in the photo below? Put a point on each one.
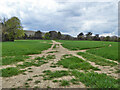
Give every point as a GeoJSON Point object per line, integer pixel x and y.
{"type": "Point", "coordinates": [76, 63]}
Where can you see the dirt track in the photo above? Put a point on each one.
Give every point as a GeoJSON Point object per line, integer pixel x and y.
{"type": "Point", "coordinates": [19, 80]}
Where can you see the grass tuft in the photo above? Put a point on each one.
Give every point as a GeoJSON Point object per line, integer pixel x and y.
{"type": "Point", "coordinates": [74, 81]}
{"type": "Point", "coordinates": [95, 80]}
{"type": "Point", "coordinates": [14, 59]}
{"type": "Point", "coordinates": [76, 63]}
{"type": "Point", "coordinates": [55, 81]}
{"type": "Point", "coordinates": [64, 83]}
{"type": "Point", "coordinates": [56, 74]}
{"type": "Point", "coordinates": [11, 71]}
{"type": "Point", "coordinates": [30, 79]}
{"type": "Point", "coordinates": [36, 82]}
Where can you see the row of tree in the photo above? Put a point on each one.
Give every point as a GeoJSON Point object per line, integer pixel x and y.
{"type": "Point", "coordinates": [57, 35]}
{"type": "Point", "coordinates": [89, 36]}
{"type": "Point", "coordinates": [12, 29]}
{"type": "Point", "coordinates": [49, 35]}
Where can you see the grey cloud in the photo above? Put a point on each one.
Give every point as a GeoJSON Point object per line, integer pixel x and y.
{"type": "Point", "coordinates": [67, 17]}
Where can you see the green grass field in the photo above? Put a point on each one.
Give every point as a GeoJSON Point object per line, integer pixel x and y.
{"type": "Point", "coordinates": [80, 69]}
{"type": "Point", "coordinates": [95, 80]}
{"type": "Point", "coordinates": [98, 60]}
{"type": "Point", "coordinates": [80, 45]}
{"type": "Point", "coordinates": [24, 47]}
{"type": "Point", "coordinates": [13, 59]}
{"type": "Point", "coordinates": [13, 52]}
{"type": "Point", "coordinates": [11, 71]}
{"type": "Point", "coordinates": [103, 51]}
{"type": "Point", "coordinates": [75, 63]}
{"type": "Point", "coordinates": [90, 79]}
{"type": "Point", "coordinates": [107, 52]}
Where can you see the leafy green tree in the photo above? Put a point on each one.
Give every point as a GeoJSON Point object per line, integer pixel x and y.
{"type": "Point", "coordinates": [96, 37]}
{"type": "Point", "coordinates": [68, 37]}
{"type": "Point", "coordinates": [38, 35]}
{"type": "Point", "coordinates": [47, 36]}
{"type": "Point", "coordinates": [25, 36]}
{"type": "Point", "coordinates": [107, 38]}
{"type": "Point", "coordinates": [89, 36]}
{"type": "Point", "coordinates": [59, 35]}
{"type": "Point", "coordinates": [53, 35]}
{"type": "Point", "coordinates": [118, 40]}
{"type": "Point", "coordinates": [80, 36]}
{"type": "Point", "coordinates": [12, 29]}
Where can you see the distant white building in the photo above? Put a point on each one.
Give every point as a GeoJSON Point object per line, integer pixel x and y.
{"type": "Point", "coordinates": [32, 33]}
{"type": "Point", "coordinates": [28, 32]}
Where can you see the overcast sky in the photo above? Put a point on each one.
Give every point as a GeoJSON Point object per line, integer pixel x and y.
{"type": "Point", "coordinates": [70, 17]}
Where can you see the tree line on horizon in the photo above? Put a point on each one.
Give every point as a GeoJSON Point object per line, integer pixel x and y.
{"type": "Point", "coordinates": [54, 35]}
{"type": "Point", "coordinates": [12, 29]}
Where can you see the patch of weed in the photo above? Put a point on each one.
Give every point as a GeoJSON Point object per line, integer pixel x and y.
{"type": "Point", "coordinates": [26, 83]}
{"type": "Point", "coordinates": [30, 71]}
{"type": "Point", "coordinates": [95, 80]}
{"type": "Point", "coordinates": [36, 87]}
{"type": "Point", "coordinates": [118, 71]}
{"type": "Point", "coordinates": [29, 68]}
{"type": "Point", "coordinates": [55, 81]}
{"type": "Point", "coordinates": [11, 71]}
{"type": "Point", "coordinates": [76, 63]}
{"type": "Point", "coordinates": [64, 83]}
{"type": "Point", "coordinates": [53, 52]}
{"type": "Point", "coordinates": [53, 65]}
{"type": "Point", "coordinates": [31, 63]}
{"type": "Point", "coordinates": [50, 57]}
{"type": "Point", "coordinates": [13, 59]}
{"type": "Point", "coordinates": [48, 87]}
{"type": "Point", "coordinates": [50, 75]}
{"type": "Point", "coordinates": [36, 82]}
{"type": "Point", "coordinates": [29, 79]}
{"type": "Point", "coordinates": [40, 58]}
{"type": "Point", "coordinates": [55, 46]}
{"type": "Point", "coordinates": [24, 73]}
{"type": "Point", "coordinates": [67, 55]}
{"type": "Point", "coordinates": [74, 81]}
{"type": "Point", "coordinates": [35, 76]}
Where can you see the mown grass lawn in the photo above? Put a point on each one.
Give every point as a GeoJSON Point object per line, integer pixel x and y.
{"type": "Point", "coordinates": [80, 45]}
{"type": "Point", "coordinates": [98, 60]}
{"type": "Point", "coordinates": [13, 52]}
{"type": "Point", "coordinates": [12, 59]}
{"type": "Point", "coordinates": [11, 71]}
{"type": "Point", "coordinates": [103, 47]}
{"type": "Point", "coordinates": [90, 79]}
{"type": "Point", "coordinates": [24, 47]}
{"type": "Point", "coordinates": [76, 63]}
{"type": "Point", "coordinates": [95, 80]}
{"type": "Point", "coordinates": [107, 52]}
{"type": "Point", "coordinates": [17, 51]}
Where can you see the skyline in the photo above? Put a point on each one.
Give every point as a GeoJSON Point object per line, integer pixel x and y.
{"type": "Point", "coordinates": [66, 17]}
